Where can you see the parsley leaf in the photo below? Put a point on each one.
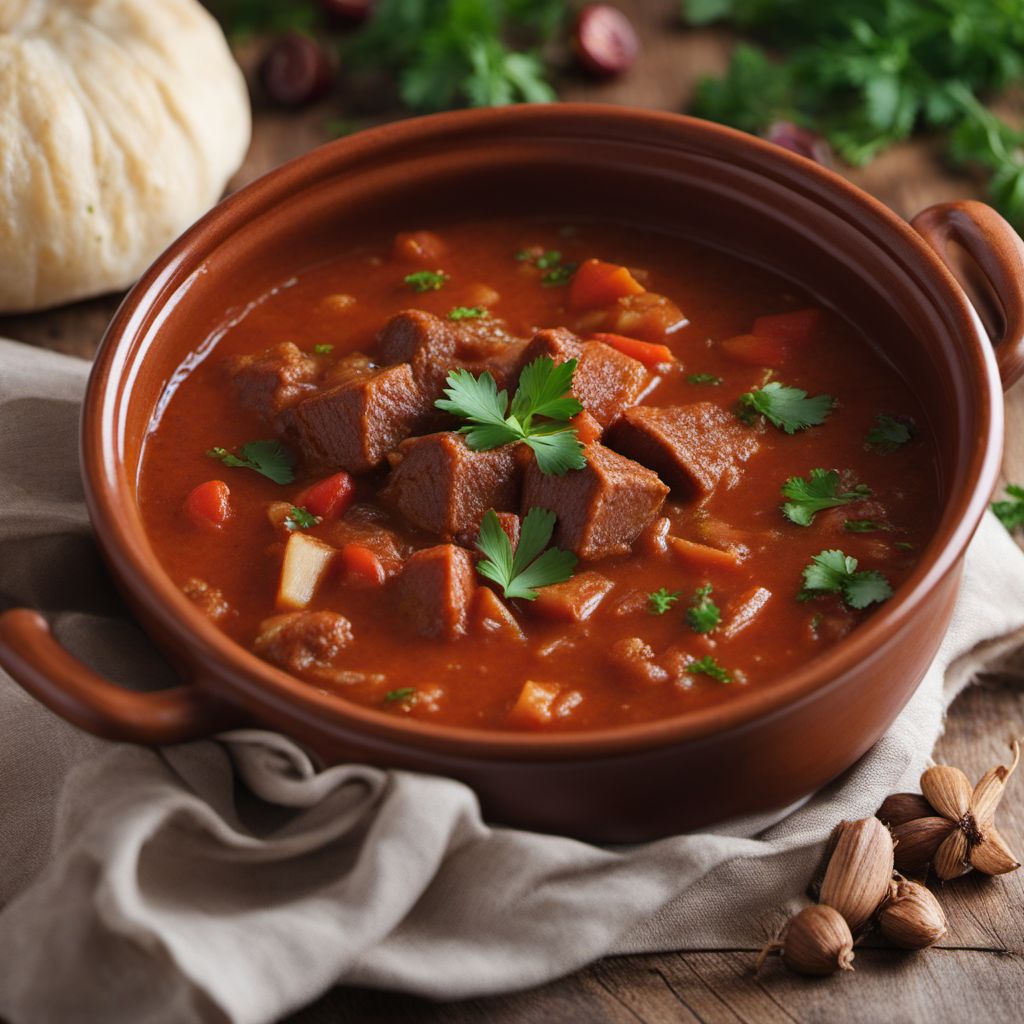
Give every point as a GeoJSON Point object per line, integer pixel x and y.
{"type": "Point", "coordinates": [832, 572]}
{"type": "Point", "coordinates": [703, 378]}
{"type": "Point", "coordinates": [703, 615]}
{"type": "Point", "coordinates": [558, 275]}
{"type": "Point", "coordinates": [865, 526]}
{"type": "Point", "coordinates": [469, 313]}
{"type": "Point", "coordinates": [404, 694]}
{"type": "Point", "coordinates": [270, 458]}
{"type": "Point", "coordinates": [787, 408]}
{"type": "Point", "coordinates": [543, 391]}
{"type": "Point", "coordinates": [1010, 512]}
{"type": "Point", "coordinates": [555, 271]}
{"type": "Point", "coordinates": [707, 666]}
{"type": "Point", "coordinates": [888, 434]}
{"type": "Point", "coordinates": [323, 350]}
{"type": "Point", "coordinates": [426, 280]}
{"type": "Point", "coordinates": [661, 600]}
{"type": "Point", "coordinates": [300, 518]}
{"type": "Point", "coordinates": [820, 491]}
{"type": "Point", "coordinates": [521, 573]}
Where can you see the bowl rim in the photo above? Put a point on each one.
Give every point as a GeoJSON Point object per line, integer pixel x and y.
{"type": "Point", "coordinates": [217, 659]}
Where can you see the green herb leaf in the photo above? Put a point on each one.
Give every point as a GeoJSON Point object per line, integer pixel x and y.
{"type": "Point", "coordinates": [404, 694]}
{"type": "Point", "coordinates": [323, 350]}
{"type": "Point", "coordinates": [661, 600]}
{"type": "Point", "coordinates": [469, 313]}
{"type": "Point", "coordinates": [530, 567]}
{"type": "Point", "coordinates": [832, 572]}
{"type": "Point", "coordinates": [787, 408]}
{"type": "Point", "coordinates": [270, 458]}
{"type": "Point", "coordinates": [427, 281]}
{"type": "Point", "coordinates": [703, 615]}
{"type": "Point", "coordinates": [888, 434]}
{"type": "Point", "coordinates": [707, 666]}
{"type": "Point", "coordinates": [300, 518]}
{"type": "Point", "coordinates": [1010, 512]}
{"type": "Point", "coordinates": [865, 526]}
{"type": "Point", "coordinates": [820, 491]}
{"type": "Point", "coordinates": [703, 378]}
{"type": "Point", "coordinates": [558, 275]}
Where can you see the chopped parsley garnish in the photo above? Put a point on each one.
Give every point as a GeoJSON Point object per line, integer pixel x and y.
{"type": "Point", "coordinates": [543, 392]}
{"type": "Point", "coordinates": [555, 271]}
{"type": "Point", "coordinates": [789, 409]}
{"type": "Point", "coordinates": [703, 615]}
{"type": "Point", "coordinates": [394, 696]}
{"type": "Point", "coordinates": [529, 567]}
{"type": "Point", "coordinates": [323, 350]}
{"type": "Point", "coordinates": [558, 275]}
{"type": "Point", "coordinates": [707, 666]}
{"type": "Point", "coordinates": [888, 434]}
{"type": "Point", "coordinates": [703, 378]}
{"type": "Point", "coordinates": [1010, 512]}
{"type": "Point", "coordinates": [819, 491]}
{"type": "Point", "coordinates": [865, 526]}
{"type": "Point", "coordinates": [661, 600]}
{"type": "Point", "coordinates": [469, 313]}
{"type": "Point", "coordinates": [832, 572]}
{"type": "Point", "coordinates": [300, 518]}
{"type": "Point", "coordinates": [426, 281]}
{"type": "Point", "coordinates": [270, 458]}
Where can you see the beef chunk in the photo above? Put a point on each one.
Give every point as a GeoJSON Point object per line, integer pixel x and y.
{"type": "Point", "coordinates": [275, 379]}
{"type": "Point", "coordinates": [693, 448]}
{"type": "Point", "coordinates": [575, 600]}
{"type": "Point", "coordinates": [557, 343]}
{"type": "Point", "coordinates": [444, 487]}
{"type": "Point", "coordinates": [435, 591]}
{"type": "Point", "coordinates": [383, 542]}
{"type": "Point", "coordinates": [601, 508]}
{"type": "Point", "coordinates": [303, 641]}
{"type": "Point", "coordinates": [508, 521]}
{"type": "Point", "coordinates": [355, 424]}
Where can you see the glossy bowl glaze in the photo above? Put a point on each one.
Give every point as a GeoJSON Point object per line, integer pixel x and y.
{"type": "Point", "coordinates": [771, 744]}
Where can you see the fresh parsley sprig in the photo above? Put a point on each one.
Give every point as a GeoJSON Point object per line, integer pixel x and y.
{"type": "Point", "coordinates": [469, 313]}
{"type": "Point", "coordinates": [789, 409]}
{"type": "Point", "coordinates": [521, 572]}
{"type": "Point", "coordinates": [865, 526]}
{"type": "Point", "coordinates": [421, 281]}
{"type": "Point", "coordinates": [300, 518]}
{"type": "Point", "coordinates": [543, 393]}
{"type": "Point", "coordinates": [1010, 511]}
{"type": "Point", "coordinates": [703, 615]}
{"type": "Point", "coordinates": [661, 600]}
{"type": "Point", "coordinates": [269, 458]}
{"type": "Point", "coordinates": [708, 666]}
{"type": "Point", "coordinates": [832, 572]}
{"type": "Point", "coordinates": [888, 434]}
{"type": "Point", "coordinates": [819, 491]}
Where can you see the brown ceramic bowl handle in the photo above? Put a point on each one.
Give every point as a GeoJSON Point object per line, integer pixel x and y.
{"type": "Point", "coordinates": [993, 277]}
{"type": "Point", "coordinates": [34, 658]}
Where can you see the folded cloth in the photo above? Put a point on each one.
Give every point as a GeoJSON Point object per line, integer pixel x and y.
{"type": "Point", "coordinates": [232, 880]}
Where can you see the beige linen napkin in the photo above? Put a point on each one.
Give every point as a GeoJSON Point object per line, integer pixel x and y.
{"type": "Point", "coordinates": [231, 880]}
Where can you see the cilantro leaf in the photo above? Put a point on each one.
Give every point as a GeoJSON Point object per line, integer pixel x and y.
{"type": "Point", "coordinates": [865, 526]}
{"type": "Point", "coordinates": [555, 271]}
{"type": "Point", "coordinates": [426, 280]}
{"type": "Point", "coordinates": [888, 434]}
{"type": "Point", "coordinates": [789, 409]}
{"type": "Point", "coordinates": [703, 378]}
{"type": "Point", "coordinates": [469, 313]}
{"type": "Point", "coordinates": [300, 518]}
{"type": "Point", "coordinates": [1010, 511]}
{"type": "Point", "coordinates": [556, 452]}
{"type": "Point", "coordinates": [530, 567]}
{"type": "Point", "coordinates": [661, 600]}
{"type": "Point", "coordinates": [404, 694]}
{"type": "Point", "coordinates": [703, 615]}
{"type": "Point", "coordinates": [270, 458]}
{"type": "Point", "coordinates": [323, 350]}
{"type": "Point", "coordinates": [544, 391]}
{"type": "Point", "coordinates": [832, 572]}
{"type": "Point", "coordinates": [820, 491]}
{"type": "Point", "coordinates": [707, 666]}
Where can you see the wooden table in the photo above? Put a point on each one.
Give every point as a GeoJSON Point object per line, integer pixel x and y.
{"type": "Point", "coordinates": [977, 973]}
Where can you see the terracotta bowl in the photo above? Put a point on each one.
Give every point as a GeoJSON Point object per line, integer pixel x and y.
{"type": "Point", "coordinates": [773, 743]}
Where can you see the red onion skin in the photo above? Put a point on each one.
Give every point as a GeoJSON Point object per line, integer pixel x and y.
{"type": "Point", "coordinates": [605, 41]}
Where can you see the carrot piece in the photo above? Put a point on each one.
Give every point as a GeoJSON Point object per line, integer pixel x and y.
{"type": "Point", "coordinates": [209, 504]}
{"type": "Point", "coordinates": [701, 557]}
{"type": "Point", "coordinates": [789, 328]}
{"type": "Point", "coordinates": [361, 564]}
{"type": "Point", "coordinates": [329, 498]}
{"type": "Point", "coordinates": [418, 247]}
{"type": "Point", "coordinates": [647, 352]}
{"type": "Point", "coordinates": [597, 283]}
{"type": "Point", "coordinates": [756, 350]}
{"type": "Point", "coordinates": [587, 428]}
{"type": "Point", "coordinates": [534, 704]}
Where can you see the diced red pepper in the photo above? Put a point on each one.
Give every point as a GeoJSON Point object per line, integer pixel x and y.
{"type": "Point", "coordinates": [361, 564]}
{"type": "Point", "coordinates": [649, 353]}
{"type": "Point", "coordinates": [418, 247]}
{"type": "Point", "coordinates": [789, 328]}
{"type": "Point", "coordinates": [209, 504]}
{"type": "Point", "coordinates": [597, 283]}
{"type": "Point", "coordinates": [756, 350]}
{"type": "Point", "coordinates": [330, 498]}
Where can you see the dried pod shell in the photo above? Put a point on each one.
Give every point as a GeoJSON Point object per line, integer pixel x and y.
{"type": "Point", "coordinates": [859, 871]}
{"type": "Point", "coordinates": [818, 941]}
{"type": "Point", "coordinates": [946, 788]}
{"type": "Point", "coordinates": [903, 807]}
{"type": "Point", "coordinates": [951, 856]}
{"type": "Point", "coordinates": [918, 841]}
{"type": "Point", "coordinates": [992, 856]}
{"type": "Point", "coordinates": [912, 919]}
{"type": "Point", "coordinates": [989, 790]}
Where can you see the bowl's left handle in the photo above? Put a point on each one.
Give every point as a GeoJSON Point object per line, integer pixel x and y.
{"type": "Point", "coordinates": [30, 653]}
{"type": "Point", "coordinates": [996, 253]}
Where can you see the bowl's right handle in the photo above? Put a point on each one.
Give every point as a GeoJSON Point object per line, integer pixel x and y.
{"type": "Point", "coordinates": [997, 251]}
{"type": "Point", "coordinates": [33, 657]}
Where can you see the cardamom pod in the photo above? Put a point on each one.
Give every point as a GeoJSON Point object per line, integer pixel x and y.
{"type": "Point", "coordinates": [912, 917]}
{"type": "Point", "coordinates": [989, 790]}
{"type": "Point", "coordinates": [917, 842]}
{"type": "Point", "coordinates": [818, 941]}
{"type": "Point", "coordinates": [903, 807]}
{"type": "Point", "coordinates": [947, 789]}
{"type": "Point", "coordinates": [991, 856]}
{"type": "Point", "coordinates": [859, 871]}
{"type": "Point", "coordinates": [951, 856]}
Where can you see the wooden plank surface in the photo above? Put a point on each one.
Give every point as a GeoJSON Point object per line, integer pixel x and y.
{"type": "Point", "coordinates": [978, 974]}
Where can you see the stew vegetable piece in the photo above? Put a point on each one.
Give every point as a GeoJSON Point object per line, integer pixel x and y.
{"type": "Point", "coordinates": [518, 475]}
